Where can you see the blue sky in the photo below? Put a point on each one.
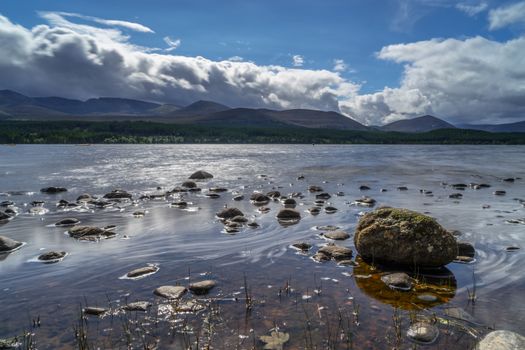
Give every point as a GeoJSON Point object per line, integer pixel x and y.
{"type": "Point", "coordinates": [305, 35]}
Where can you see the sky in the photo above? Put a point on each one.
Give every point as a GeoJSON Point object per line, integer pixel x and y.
{"type": "Point", "coordinates": [374, 61]}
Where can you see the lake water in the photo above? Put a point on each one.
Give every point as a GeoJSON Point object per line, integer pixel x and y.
{"type": "Point", "coordinates": [319, 304]}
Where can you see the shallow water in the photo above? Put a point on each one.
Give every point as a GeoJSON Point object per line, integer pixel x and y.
{"type": "Point", "coordinates": [190, 242]}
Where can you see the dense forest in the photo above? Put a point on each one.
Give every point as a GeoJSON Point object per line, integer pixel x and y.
{"type": "Point", "coordinates": [75, 132]}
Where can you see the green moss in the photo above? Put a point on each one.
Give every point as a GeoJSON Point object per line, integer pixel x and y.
{"type": "Point", "coordinates": [406, 215]}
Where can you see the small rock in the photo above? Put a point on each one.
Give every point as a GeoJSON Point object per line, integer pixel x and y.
{"type": "Point", "coordinates": [179, 204]}
{"type": "Point", "coordinates": [366, 201]}
{"type": "Point", "coordinates": [259, 199]}
{"type": "Point", "coordinates": [170, 292]}
{"type": "Point", "coordinates": [4, 216]}
{"type": "Point", "coordinates": [423, 333]}
{"type": "Point", "coordinates": [90, 232]}
{"type": "Point", "coordinates": [303, 246]}
{"type": "Point", "coordinates": [314, 210]}
{"type": "Point", "coordinates": [8, 244]}
{"type": "Point", "coordinates": [347, 262]}
{"type": "Point", "coordinates": [53, 189]}
{"type": "Point", "coordinates": [213, 195]}
{"type": "Point", "coordinates": [52, 256]}
{"type": "Point", "coordinates": [455, 196]}
{"type": "Point", "coordinates": [398, 281]}
{"type": "Point", "coordinates": [85, 198]}
{"type": "Point", "coordinates": [288, 214]}
{"type": "Point", "coordinates": [364, 188]}
{"type": "Point", "coordinates": [229, 213]}
{"type": "Point", "coordinates": [189, 184]}
{"type": "Point", "coordinates": [512, 249]}
{"type": "Point", "coordinates": [509, 179]}
{"type": "Point", "coordinates": [337, 235]}
{"type": "Point", "coordinates": [427, 297]}
{"type": "Point", "coordinates": [500, 193]}
{"type": "Point", "coordinates": [137, 306]}
{"type": "Point", "coordinates": [330, 210]}
{"type": "Point", "coordinates": [289, 202]}
{"type": "Point", "coordinates": [273, 194]}
{"type": "Point", "coordinates": [203, 287]}
{"type": "Point", "coordinates": [320, 257]}
{"type": "Point", "coordinates": [139, 213]}
{"type": "Point", "coordinates": [323, 195]}
{"type": "Point", "coordinates": [201, 175]}
{"type": "Point", "coordinates": [466, 249]}
{"type": "Point", "coordinates": [238, 198]}
{"type": "Point", "coordinates": [315, 189]}
{"type": "Point", "coordinates": [336, 252]}
{"type": "Point", "coordinates": [253, 224]}
{"type": "Point", "coordinates": [218, 189]}
{"type": "Point", "coordinates": [147, 270]}
{"type": "Point", "coordinates": [118, 194]}
{"type": "Point", "coordinates": [94, 310]}
{"type": "Point", "coordinates": [402, 188]}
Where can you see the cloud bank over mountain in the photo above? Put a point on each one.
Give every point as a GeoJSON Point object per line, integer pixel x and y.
{"type": "Point", "coordinates": [468, 80]}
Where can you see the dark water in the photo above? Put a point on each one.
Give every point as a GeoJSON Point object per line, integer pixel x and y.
{"type": "Point", "coordinates": [192, 243]}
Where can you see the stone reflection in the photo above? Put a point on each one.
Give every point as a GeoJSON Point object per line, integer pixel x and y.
{"type": "Point", "coordinates": [405, 289]}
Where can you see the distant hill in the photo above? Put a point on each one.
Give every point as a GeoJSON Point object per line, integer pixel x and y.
{"type": "Point", "coordinates": [510, 127]}
{"type": "Point", "coordinates": [16, 106]}
{"type": "Point", "coordinates": [419, 124]}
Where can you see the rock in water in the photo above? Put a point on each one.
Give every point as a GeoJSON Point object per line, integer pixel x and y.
{"type": "Point", "coordinates": [147, 270]}
{"type": "Point", "coordinates": [53, 189]}
{"type": "Point", "coordinates": [200, 175]}
{"type": "Point", "coordinates": [202, 287]}
{"type": "Point", "coordinates": [423, 333]}
{"type": "Point", "coordinates": [8, 244]}
{"type": "Point", "coordinates": [229, 213]}
{"type": "Point", "coordinates": [94, 310]}
{"type": "Point", "coordinates": [90, 233]}
{"type": "Point", "coordinates": [118, 194]}
{"type": "Point", "coordinates": [404, 237]}
{"type": "Point", "coordinates": [336, 252]}
{"type": "Point", "coordinates": [502, 340]}
{"type": "Point", "coordinates": [52, 256]}
{"type": "Point", "coordinates": [4, 216]}
{"type": "Point", "coordinates": [170, 292]}
{"type": "Point", "coordinates": [398, 281]}
{"type": "Point", "coordinates": [337, 235]}
{"type": "Point", "coordinates": [288, 214]}
{"type": "Point", "coordinates": [68, 222]}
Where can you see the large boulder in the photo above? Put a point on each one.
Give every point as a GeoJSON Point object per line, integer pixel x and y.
{"type": "Point", "coordinates": [502, 340]}
{"type": "Point", "coordinates": [8, 244]}
{"type": "Point", "coordinates": [404, 237]}
{"type": "Point", "coordinates": [200, 175]}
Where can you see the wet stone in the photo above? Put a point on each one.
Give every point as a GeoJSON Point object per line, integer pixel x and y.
{"type": "Point", "coordinates": [423, 333]}
{"type": "Point", "coordinates": [455, 196]}
{"type": "Point", "coordinates": [53, 189]}
{"type": "Point", "coordinates": [170, 292]}
{"type": "Point", "coordinates": [238, 198]}
{"type": "Point", "coordinates": [314, 210]}
{"type": "Point", "coordinates": [52, 256]}
{"type": "Point", "coordinates": [288, 214]}
{"type": "Point", "coordinates": [402, 188]}
{"type": "Point", "coordinates": [137, 306]}
{"type": "Point", "coordinates": [323, 195]}
{"type": "Point", "coordinates": [118, 194]}
{"type": "Point", "coordinates": [303, 246]}
{"type": "Point", "coordinates": [336, 235]}
{"type": "Point", "coordinates": [337, 252]}
{"type": "Point", "coordinates": [330, 210]}
{"type": "Point", "coordinates": [202, 287]}
{"type": "Point", "coordinates": [200, 175]}
{"type": "Point", "coordinates": [229, 213]}
{"type": "Point", "coordinates": [320, 257]}
{"type": "Point", "coordinates": [147, 270]}
{"type": "Point", "coordinates": [502, 340]}
{"type": "Point", "coordinates": [427, 297]}
{"type": "Point", "coordinates": [398, 281]}
{"type": "Point", "coordinates": [364, 188]}
{"type": "Point", "coordinates": [189, 184]}
{"type": "Point", "coordinates": [94, 311]}
{"type": "Point", "coordinates": [8, 244]}
{"type": "Point", "coordinates": [314, 188]}
{"type": "Point", "coordinates": [466, 249]}
{"type": "Point", "coordinates": [500, 193]}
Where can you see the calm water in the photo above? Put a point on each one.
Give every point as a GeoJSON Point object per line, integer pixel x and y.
{"type": "Point", "coordinates": [191, 242]}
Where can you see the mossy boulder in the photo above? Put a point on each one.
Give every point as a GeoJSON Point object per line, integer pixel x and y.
{"type": "Point", "coordinates": [404, 237]}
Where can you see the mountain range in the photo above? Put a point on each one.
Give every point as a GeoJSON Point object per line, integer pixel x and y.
{"type": "Point", "coordinates": [16, 106]}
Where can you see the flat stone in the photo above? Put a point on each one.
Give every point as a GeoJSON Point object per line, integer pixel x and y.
{"type": "Point", "coordinates": [94, 310]}
{"type": "Point", "coordinates": [170, 292]}
{"type": "Point", "coordinates": [68, 222]}
{"type": "Point", "coordinates": [142, 271]}
{"type": "Point", "coordinates": [337, 235]}
{"type": "Point", "coordinates": [337, 252]}
{"type": "Point", "coordinates": [423, 333]}
{"type": "Point", "coordinates": [288, 214]}
{"type": "Point", "coordinates": [303, 246]}
{"type": "Point", "coordinates": [137, 306]}
{"type": "Point", "coordinates": [202, 287]}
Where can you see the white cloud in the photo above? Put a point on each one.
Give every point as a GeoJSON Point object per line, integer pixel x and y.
{"type": "Point", "coordinates": [507, 15]}
{"type": "Point", "coordinates": [472, 80]}
{"type": "Point", "coordinates": [297, 60]}
{"type": "Point", "coordinates": [236, 59]}
{"type": "Point", "coordinates": [108, 22]}
{"type": "Point", "coordinates": [82, 61]}
{"type": "Point", "coordinates": [173, 44]}
{"type": "Point", "coordinates": [340, 65]}
{"type": "Point", "coordinates": [472, 9]}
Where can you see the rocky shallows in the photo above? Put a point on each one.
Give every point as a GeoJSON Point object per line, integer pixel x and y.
{"type": "Point", "coordinates": [404, 237]}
